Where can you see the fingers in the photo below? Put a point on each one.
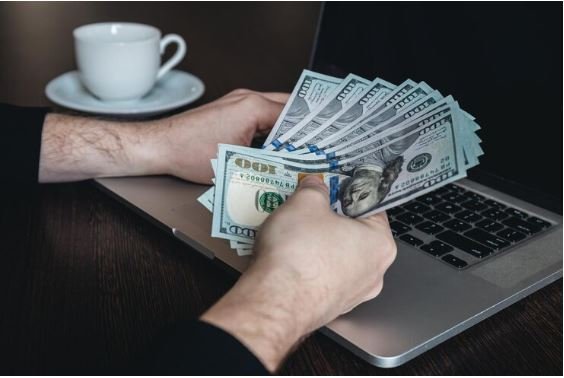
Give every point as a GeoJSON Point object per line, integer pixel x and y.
{"type": "Point", "coordinates": [311, 191]}
{"type": "Point", "coordinates": [276, 96]}
{"type": "Point", "coordinates": [314, 182]}
{"type": "Point", "coordinates": [272, 96]}
{"type": "Point", "coordinates": [376, 221]}
{"type": "Point", "coordinates": [267, 112]}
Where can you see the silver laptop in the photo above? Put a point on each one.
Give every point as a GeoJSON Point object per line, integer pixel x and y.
{"type": "Point", "coordinates": [467, 250]}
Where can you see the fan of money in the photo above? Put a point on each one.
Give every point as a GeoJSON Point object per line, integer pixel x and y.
{"type": "Point", "coordinates": [375, 144]}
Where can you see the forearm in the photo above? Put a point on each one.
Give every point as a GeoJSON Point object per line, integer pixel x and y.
{"type": "Point", "coordinates": [260, 311]}
{"type": "Point", "coordinates": [77, 148]}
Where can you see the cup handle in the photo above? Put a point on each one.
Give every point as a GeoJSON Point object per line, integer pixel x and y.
{"type": "Point", "coordinates": [176, 58]}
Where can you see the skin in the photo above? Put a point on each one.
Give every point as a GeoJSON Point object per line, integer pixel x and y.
{"type": "Point", "coordinates": [77, 148]}
{"type": "Point", "coordinates": [311, 265]}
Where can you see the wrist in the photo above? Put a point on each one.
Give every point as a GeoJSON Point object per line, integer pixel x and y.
{"type": "Point", "coordinates": [146, 147]}
{"type": "Point", "coordinates": [264, 312]}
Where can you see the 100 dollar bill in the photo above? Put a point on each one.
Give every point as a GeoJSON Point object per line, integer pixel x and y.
{"type": "Point", "coordinates": [310, 91]}
{"type": "Point", "coordinates": [251, 184]}
{"type": "Point", "coordinates": [249, 187]}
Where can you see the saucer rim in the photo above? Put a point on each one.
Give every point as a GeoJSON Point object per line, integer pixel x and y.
{"type": "Point", "coordinates": [155, 109]}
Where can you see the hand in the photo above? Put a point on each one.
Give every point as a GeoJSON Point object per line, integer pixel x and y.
{"type": "Point", "coordinates": [190, 139]}
{"type": "Point", "coordinates": [311, 266]}
{"type": "Point", "coordinates": [77, 148]}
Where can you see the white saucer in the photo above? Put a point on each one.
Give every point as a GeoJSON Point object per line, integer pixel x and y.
{"type": "Point", "coordinates": [175, 89]}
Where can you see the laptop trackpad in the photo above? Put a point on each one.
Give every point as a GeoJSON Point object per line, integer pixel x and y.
{"type": "Point", "coordinates": [521, 264]}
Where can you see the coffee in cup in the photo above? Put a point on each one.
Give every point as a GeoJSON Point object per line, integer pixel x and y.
{"type": "Point", "coordinates": [122, 61]}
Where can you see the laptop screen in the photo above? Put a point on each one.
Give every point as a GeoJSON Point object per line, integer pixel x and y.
{"type": "Point", "coordinates": [502, 62]}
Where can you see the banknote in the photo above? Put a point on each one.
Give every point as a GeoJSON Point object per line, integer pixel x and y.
{"type": "Point", "coordinates": [374, 144]}
{"type": "Point", "coordinates": [426, 107]}
{"type": "Point", "coordinates": [355, 109]}
{"type": "Point", "coordinates": [310, 92]}
{"type": "Point", "coordinates": [388, 109]}
{"type": "Point", "coordinates": [391, 97]}
{"type": "Point", "coordinates": [206, 199]}
{"type": "Point", "coordinates": [250, 187]}
{"type": "Point", "coordinates": [340, 97]}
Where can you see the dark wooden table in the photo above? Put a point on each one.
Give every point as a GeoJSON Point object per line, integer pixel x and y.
{"type": "Point", "coordinates": [85, 283]}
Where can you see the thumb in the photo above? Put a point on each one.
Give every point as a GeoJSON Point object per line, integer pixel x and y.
{"type": "Point", "coordinates": [312, 190]}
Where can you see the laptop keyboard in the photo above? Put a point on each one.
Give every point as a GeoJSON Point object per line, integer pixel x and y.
{"type": "Point", "coordinates": [460, 227]}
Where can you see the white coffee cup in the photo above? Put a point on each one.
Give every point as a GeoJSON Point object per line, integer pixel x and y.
{"type": "Point", "coordinates": [121, 61]}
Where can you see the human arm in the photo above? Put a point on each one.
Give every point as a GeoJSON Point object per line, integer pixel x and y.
{"type": "Point", "coordinates": [59, 147]}
{"type": "Point", "coordinates": [75, 148]}
{"type": "Point", "coordinates": [311, 266]}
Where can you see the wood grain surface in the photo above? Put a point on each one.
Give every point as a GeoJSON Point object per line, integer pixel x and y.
{"type": "Point", "coordinates": [85, 283]}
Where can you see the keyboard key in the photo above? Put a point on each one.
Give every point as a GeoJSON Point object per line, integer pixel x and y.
{"type": "Point", "coordinates": [409, 218]}
{"type": "Point", "coordinates": [495, 214]}
{"type": "Point", "coordinates": [455, 188]}
{"type": "Point", "coordinates": [454, 197]}
{"type": "Point", "coordinates": [436, 216]}
{"type": "Point", "coordinates": [399, 228]}
{"type": "Point", "coordinates": [487, 239]}
{"type": "Point", "coordinates": [490, 225]}
{"type": "Point", "coordinates": [429, 199]}
{"type": "Point", "coordinates": [410, 239]}
{"type": "Point", "coordinates": [394, 211]}
{"type": "Point", "coordinates": [429, 228]}
{"type": "Point", "coordinates": [416, 207]}
{"type": "Point", "coordinates": [495, 204]}
{"type": "Point", "coordinates": [516, 213]}
{"type": "Point", "coordinates": [441, 191]}
{"type": "Point", "coordinates": [511, 235]}
{"type": "Point", "coordinates": [539, 222]}
{"type": "Point", "coordinates": [521, 225]}
{"type": "Point", "coordinates": [475, 196]}
{"type": "Point", "coordinates": [464, 244]}
{"type": "Point", "coordinates": [474, 205]}
{"type": "Point", "coordinates": [468, 216]}
{"type": "Point", "coordinates": [436, 248]}
{"type": "Point", "coordinates": [447, 207]}
{"type": "Point", "coordinates": [457, 225]}
{"type": "Point", "coordinates": [455, 261]}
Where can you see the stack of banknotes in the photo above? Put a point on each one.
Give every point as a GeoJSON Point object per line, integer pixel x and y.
{"type": "Point", "coordinates": [375, 144]}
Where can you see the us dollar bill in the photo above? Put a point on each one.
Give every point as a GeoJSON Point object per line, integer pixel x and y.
{"type": "Point", "coordinates": [249, 187]}
{"type": "Point", "coordinates": [341, 96]}
{"type": "Point", "coordinates": [395, 94]}
{"type": "Point", "coordinates": [357, 108]}
{"type": "Point", "coordinates": [310, 91]}
{"type": "Point", "coordinates": [251, 184]}
{"type": "Point", "coordinates": [206, 199]}
{"type": "Point", "coordinates": [402, 115]}
{"type": "Point", "coordinates": [388, 109]}
{"type": "Point", "coordinates": [389, 134]}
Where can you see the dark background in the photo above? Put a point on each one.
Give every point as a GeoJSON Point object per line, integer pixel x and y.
{"type": "Point", "coordinates": [85, 283]}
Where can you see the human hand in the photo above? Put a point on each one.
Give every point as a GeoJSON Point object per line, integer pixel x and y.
{"type": "Point", "coordinates": [186, 142]}
{"type": "Point", "coordinates": [77, 148]}
{"type": "Point", "coordinates": [311, 266]}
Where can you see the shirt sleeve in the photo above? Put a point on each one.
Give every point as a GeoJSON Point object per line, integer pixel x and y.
{"type": "Point", "coordinates": [198, 348]}
{"type": "Point", "coordinates": [20, 143]}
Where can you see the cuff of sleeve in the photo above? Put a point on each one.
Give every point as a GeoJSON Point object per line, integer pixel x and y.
{"type": "Point", "coordinates": [20, 143]}
{"type": "Point", "coordinates": [198, 348]}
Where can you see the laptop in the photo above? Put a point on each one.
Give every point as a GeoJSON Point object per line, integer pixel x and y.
{"type": "Point", "coordinates": [465, 251]}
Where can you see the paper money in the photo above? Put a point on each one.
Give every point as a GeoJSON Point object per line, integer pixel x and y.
{"type": "Point", "coordinates": [356, 109]}
{"type": "Point", "coordinates": [375, 145]}
{"type": "Point", "coordinates": [340, 97]}
{"type": "Point", "coordinates": [310, 92]}
{"type": "Point", "coordinates": [250, 187]}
